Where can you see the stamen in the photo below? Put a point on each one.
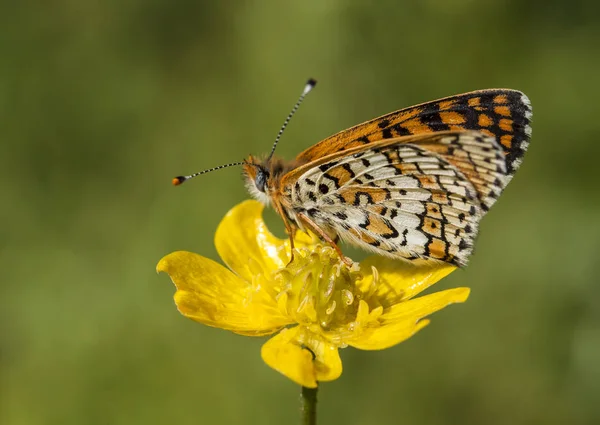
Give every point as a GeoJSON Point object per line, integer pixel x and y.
{"type": "Point", "coordinates": [320, 290]}
{"type": "Point", "coordinates": [303, 303]}
{"type": "Point", "coordinates": [331, 308]}
{"type": "Point", "coordinates": [330, 287]}
{"type": "Point", "coordinates": [347, 296]}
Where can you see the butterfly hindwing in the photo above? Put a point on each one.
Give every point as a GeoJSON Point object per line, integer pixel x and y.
{"type": "Point", "coordinates": [501, 113]}
{"type": "Point", "coordinates": [478, 157]}
{"type": "Point", "coordinates": [412, 197]}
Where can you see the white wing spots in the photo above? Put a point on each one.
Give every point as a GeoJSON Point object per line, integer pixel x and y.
{"type": "Point", "coordinates": [528, 114]}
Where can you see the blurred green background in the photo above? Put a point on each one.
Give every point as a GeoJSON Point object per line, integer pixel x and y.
{"type": "Point", "coordinates": [103, 102]}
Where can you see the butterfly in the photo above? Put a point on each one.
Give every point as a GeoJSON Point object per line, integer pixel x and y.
{"type": "Point", "coordinates": [411, 184]}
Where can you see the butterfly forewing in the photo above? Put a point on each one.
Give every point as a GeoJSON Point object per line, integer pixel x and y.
{"type": "Point", "coordinates": [501, 113]}
{"type": "Point", "coordinates": [409, 197]}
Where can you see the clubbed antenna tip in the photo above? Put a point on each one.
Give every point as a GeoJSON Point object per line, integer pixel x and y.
{"type": "Point", "coordinates": [310, 84]}
{"type": "Point", "coordinates": [178, 180]}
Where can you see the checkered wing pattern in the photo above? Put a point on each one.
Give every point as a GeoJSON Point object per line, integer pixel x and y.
{"type": "Point", "coordinates": [408, 197]}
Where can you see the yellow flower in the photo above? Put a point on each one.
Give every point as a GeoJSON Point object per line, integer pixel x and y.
{"type": "Point", "coordinates": [370, 306]}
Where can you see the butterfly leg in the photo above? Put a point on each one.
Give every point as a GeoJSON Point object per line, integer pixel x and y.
{"type": "Point", "coordinates": [315, 228]}
{"type": "Point", "coordinates": [291, 235]}
{"type": "Point", "coordinates": [291, 231]}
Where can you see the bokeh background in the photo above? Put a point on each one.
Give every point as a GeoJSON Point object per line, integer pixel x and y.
{"type": "Point", "coordinates": [101, 103]}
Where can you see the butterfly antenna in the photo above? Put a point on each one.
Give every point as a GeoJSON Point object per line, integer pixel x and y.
{"type": "Point", "coordinates": [310, 84]}
{"type": "Point", "coordinates": [180, 179]}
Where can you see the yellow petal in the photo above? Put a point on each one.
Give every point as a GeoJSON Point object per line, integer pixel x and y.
{"type": "Point", "coordinates": [210, 294]}
{"type": "Point", "coordinates": [303, 240]}
{"type": "Point", "coordinates": [405, 319]}
{"type": "Point", "coordinates": [302, 356]}
{"type": "Point", "coordinates": [246, 245]}
{"type": "Point", "coordinates": [399, 280]}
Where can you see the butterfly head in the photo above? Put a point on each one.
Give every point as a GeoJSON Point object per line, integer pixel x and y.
{"type": "Point", "coordinates": [258, 178]}
{"type": "Point", "coordinates": [263, 175]}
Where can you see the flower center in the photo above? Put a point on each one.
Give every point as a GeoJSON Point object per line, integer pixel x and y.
{"type": "Point", "coordinates": [319, 291]}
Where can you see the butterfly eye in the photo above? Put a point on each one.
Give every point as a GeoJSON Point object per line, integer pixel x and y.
{"type": "Point", "coordinates": [261, 179]}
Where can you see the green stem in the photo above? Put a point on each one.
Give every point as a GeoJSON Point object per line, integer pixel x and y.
{"type": "Point", "coordinates": [308, 401]}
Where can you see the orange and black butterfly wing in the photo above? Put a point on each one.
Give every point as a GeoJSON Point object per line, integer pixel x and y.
{"type": "Point", "coordinates": [501, 113]}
